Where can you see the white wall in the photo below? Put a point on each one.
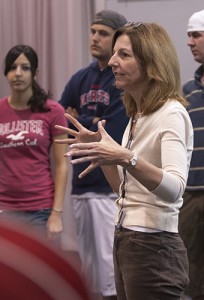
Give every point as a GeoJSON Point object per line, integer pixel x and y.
{"type": "Point", "coordinates": [173, 15]}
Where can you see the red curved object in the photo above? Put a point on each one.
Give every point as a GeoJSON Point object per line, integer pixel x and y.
{"type": "Point", "coordinates": [31, 269]}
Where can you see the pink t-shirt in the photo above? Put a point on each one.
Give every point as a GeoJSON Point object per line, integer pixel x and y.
{"type": "Point", "coordinates": [26, 181]}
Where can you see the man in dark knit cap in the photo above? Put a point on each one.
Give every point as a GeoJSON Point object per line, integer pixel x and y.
{"type": "Point", "coordinates": [90, 96]}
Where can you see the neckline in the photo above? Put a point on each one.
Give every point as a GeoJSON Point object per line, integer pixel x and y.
{"type": "Point", "coordinates": [16, 109]}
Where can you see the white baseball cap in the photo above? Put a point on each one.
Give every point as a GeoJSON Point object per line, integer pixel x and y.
{"type": "Point", "coordinates": [196, 22]}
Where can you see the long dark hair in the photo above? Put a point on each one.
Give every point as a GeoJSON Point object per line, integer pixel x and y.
{"type": "Point", "coordinates": [38, 99]}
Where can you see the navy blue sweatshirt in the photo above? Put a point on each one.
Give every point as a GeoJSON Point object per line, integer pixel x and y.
{"type": "Point", "coordinates": [194, 92]}
{"type": "Point", "coordinates": [93, 94]}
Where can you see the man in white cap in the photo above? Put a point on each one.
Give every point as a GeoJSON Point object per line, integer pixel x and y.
{"type": "Point", "coordinates": [90, 96]}
{"type": "Point", "coordinates": [192, 212]}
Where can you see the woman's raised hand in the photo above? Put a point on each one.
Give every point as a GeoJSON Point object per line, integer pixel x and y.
{"type": "Point", "coordinates": [97, 147]}
{"type": "Point", "coordinates": [101, 153]}
{"type": "Point", "coordinates": [80, 135]}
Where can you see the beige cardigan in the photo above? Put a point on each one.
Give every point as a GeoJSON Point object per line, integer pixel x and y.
{"type": "Point", "coordinates": [165, 139]}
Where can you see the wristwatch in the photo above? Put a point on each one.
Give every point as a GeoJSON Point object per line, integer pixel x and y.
{"type": "Point", "coordinates": [133, 161]}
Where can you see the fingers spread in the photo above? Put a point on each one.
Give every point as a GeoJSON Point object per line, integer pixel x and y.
{"type": "Point", "coordinates": [64, 129]}
{"type": "Point", "coordinates": [65, 141]}
{"type": "Point", "coordinates": [90, 168]}
{"type": "Point", "coordinates": [73, 121]}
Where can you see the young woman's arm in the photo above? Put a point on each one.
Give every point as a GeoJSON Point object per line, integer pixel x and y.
{"type": "Point", "coordinates": [54, 224]}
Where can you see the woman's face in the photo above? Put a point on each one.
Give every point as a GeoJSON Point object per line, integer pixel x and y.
{"type": "Point", "coordinates": [125, 66]}
{"type": "Point", "coordinates": [20, 77]}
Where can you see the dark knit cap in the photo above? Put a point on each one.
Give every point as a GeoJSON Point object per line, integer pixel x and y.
{"type": "Point", "coordinates": [110, 18]}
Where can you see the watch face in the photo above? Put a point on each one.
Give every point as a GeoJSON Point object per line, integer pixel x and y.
{"type": "Point", "coordinates": [133, 162]}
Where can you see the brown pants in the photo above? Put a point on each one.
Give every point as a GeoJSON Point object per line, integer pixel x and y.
{"type": "Point", "coordinates": [191, 228]}
{"type": "Point", "coordinates": [149, 266]}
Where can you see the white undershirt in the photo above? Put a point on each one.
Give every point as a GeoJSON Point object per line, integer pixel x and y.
{"type": "Point", "coordinates": [142, 229]}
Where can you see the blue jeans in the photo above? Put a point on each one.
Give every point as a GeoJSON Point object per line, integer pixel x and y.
{"type": "Point", "coordinates": [35, 220]}
{"type": "Point", "coordinates": [149, 266]}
